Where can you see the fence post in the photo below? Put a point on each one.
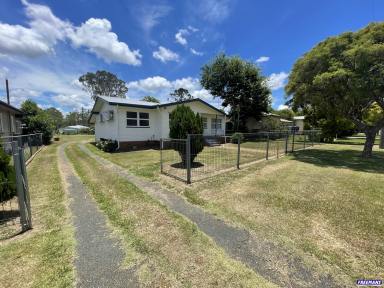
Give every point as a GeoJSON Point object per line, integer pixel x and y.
{"type": "Point", "coordinates": [161, 155]}
{"type": "Point", "coordinates": [313, 136]}
{"type": "Point", "coordinates": [188, 148]}
{"type": "Point", "coordinates": [266, 156]}
{"type": "Point", "coordinates": [238, 153]}
{"type": "Point", "coordinates": [25, 187]}
{"type": "Point", "coordinates": [293, 140]}
{"type": "Point", "coordinates": [30, 146]}
{"type": "Point", "coordinates": [305, 138]}
{"type": "Point", "coordinates": [286, 142]}
{"type": "Point", "coordinates": [19, 186]}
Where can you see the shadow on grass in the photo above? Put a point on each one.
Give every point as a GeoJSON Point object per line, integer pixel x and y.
{"type": "Point", "coordinates": [342, 158]}
{"type": "Point", "coordinates": [180, 165]}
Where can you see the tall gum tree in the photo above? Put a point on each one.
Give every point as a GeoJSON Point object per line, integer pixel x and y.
{"type": "Point", "coordinates": [344, 73]}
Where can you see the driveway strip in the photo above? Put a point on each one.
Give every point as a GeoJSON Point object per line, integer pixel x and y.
{"type": "Point", "coordinates": [98, 254]}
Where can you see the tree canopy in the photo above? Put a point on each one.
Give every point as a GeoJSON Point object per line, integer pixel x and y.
{"type": "Point", "coordinates": [343, 77]}
{"type": "Point", "coordinates": [56, 116]}
{"type": "Point", "coordinates": [240, 85]}
{"type": "Point", "coordinates": [103, 83]}
{"type": "Point", "coordinates": [150, 99]}
{"type": "Point", "coordinates": [181, 94]}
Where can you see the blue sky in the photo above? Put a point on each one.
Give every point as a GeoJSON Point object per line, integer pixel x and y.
{"type": "Point", "coordinates": [157, 46]}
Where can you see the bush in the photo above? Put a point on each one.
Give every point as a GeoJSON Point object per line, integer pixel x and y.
{"type": "Point", "coordinates": [107, 145]}
{"type": "Point", "coordinates": [236, 136]}
{"type": "Point", "coordinates": [7, 177]}
{"type": "Point", "coordinates": [184, 121]}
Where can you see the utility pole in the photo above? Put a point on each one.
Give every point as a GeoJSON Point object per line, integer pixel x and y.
{"type": "Point", "coordinates": [381, 139]}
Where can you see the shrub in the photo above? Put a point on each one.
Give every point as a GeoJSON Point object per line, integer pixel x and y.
{"type": "Point", "coordinates": [236, 136]}
{"type": "Point", "coordinates": [184, 121]}
{"type": "Point", "coordinates": [107, 145]}
{"type": "Point", "coordinates": [7, 177]}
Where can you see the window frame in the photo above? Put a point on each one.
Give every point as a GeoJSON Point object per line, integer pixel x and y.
{"type": "Point", "coordinates": [1, 123]}
{"type": "Point", "coordinates": [205, 123]}
{"type": "Point", "coordinates": [139, 118]}
{"type": "Point", "coordinates": [214, 124]}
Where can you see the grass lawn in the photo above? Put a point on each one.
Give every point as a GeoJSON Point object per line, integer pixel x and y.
{"type": "Point", "coordinates": [166, 249]}
{"type": "Point", "coordinates": [42, 257]}
{"type": "Point", "coordinates": [324, 204]}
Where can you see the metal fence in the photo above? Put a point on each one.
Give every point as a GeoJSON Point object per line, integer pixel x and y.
{"type": "Point", "coordinates": [15, 208]}
{"type": "Point", "coordinates": [29, 143]}
{"type": "Point", "coordinates": [202, 156]}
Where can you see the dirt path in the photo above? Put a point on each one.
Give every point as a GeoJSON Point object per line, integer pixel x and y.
{"type": "Point", "coordinates": [99, 255]}
{"type": "Point", "coordinates": [265, 258]}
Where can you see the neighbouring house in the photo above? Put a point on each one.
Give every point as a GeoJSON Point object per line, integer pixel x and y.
{"type": "Point", "coordinates": [74, 129]}
{"type": "Point", "coordinates": [298, 121]}
{"type": "Point", "coordinates": [267, 119]}
{"type": "Point", "coordinates": [10, 120]}
{"type": "Point", "coordinates": [136, 124]}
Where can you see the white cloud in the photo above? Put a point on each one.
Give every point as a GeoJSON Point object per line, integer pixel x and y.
{"type": "Point", "coordinates": [150, 84]}
{"type": "Point", "coordinates": [73, 101]}
{"type": "Point", "coordinates": [3, 72]}
{"type": "Point", "coordinates": [164, 55]}
{"type": "Point", "coordinates": [161, 87]}
{"type": "Point", "coordinates": [180, 36]}
{"type": "Point", "coordinates": [262, 59]}
{"type": "Point", "coordinates": [195, 52]}
{"type": "Point", "coordinates": [96, 35]}
{"type": "Point", "coordinates": [282, 107]}
{"type": "Point", "coordinates": [214, 10]}
{"type": "Point", "coordinates": [149, 15]}
{"type": "Point", "coordinates": [45, 30]}
{"type": "Point", "coordinates": [277, 80]}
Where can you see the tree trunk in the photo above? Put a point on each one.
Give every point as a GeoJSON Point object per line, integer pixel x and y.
{"type": "Point", "coordinates": [370, 135]}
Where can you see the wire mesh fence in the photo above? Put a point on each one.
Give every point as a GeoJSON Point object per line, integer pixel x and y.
{"type": "Point", "coordinates": [30, 143]}
{"type": "Point", "coordinates": [202, 156]}
{"type": "Point", "coordinates": [15, 210]}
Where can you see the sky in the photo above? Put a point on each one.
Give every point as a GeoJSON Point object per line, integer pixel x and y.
{"type": "Point", "coordinates": [158, 46]}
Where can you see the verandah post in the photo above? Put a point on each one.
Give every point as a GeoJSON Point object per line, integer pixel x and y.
{"type": "Point", "coordinates": [188, 152]}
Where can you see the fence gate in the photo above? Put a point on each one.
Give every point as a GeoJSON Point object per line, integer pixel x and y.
{"type": "Point", "coordinates": [15, 208]}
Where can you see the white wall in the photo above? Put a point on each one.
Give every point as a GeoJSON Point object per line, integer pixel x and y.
{"type": "Point", "coordinates": [138, 133]}
{"type": "Point", "coordinates": [106, 129]}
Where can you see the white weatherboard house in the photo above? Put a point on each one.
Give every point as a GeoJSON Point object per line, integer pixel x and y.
{"type": "Point", "coordinates": [136, 123]}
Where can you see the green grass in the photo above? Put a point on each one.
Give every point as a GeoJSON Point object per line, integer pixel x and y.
{"type": "Point", "coordinates": [42, 257]}
{"type": "Point", "coordinates": [355, 141]}
{"type": "Point", "coordinates": [325, 204]}
{"type": "Point", "coordinates": [166, 249]}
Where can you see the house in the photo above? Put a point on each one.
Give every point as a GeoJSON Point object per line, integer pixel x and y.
{"type": "Point", "coordinates": [10, 120]}
{"type": "Point", "coordinates": [137, 123]}
{"type": "Point", "coordinates": [298, 121]}
{"type": "Point", "coordinates": [74, 129]}
{"type": "Point", "coordinates": [273, 121]}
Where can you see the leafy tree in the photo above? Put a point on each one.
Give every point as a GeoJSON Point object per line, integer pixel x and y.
{"type": "Point", "coordinates": [240, 85]}
{"type": "Point", "coordinates": [285, 113]}
{"type": "Point", "coordinates": [184, 121]}
{"type": "Point", "coordinates": [72, 118]}
{"type": "Point", "coordinates": [7, 177]}
{"type": "Point", "coordinates": [37, 120]}
{"type": "Point", "coordinates": [56, 116]}
{"type": "Point", "coordinates": [344, 76]}
{"type": "Point", "coordinates": [181, 94]}
{"type": "Point", "coordinates": [103, 83]}
{"type": "Point", "coordinates": [150, 99]}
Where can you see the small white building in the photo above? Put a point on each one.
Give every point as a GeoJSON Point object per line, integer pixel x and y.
{"type": "Point", "coordinates": [137, 123]}
{"type": "Point", "coordinates": [298, 121]}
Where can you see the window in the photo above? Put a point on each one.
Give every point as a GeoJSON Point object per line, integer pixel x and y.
{"type": "Point", "coordinates": [137, 119]}
{"type": "Point", "coordinates": [101, 117]}
{"type": "Point", "coordinates": [216, 124]}
{"type": "Point", "coordinates": [205, 123]}
{"type": "Point", "coordinates": [13, 127]}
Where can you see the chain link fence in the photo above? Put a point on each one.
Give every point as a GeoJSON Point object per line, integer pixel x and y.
{"type": "Point", "coordinates": [15, 208]}
{"type": "Point", "coordinates": [201, 156]}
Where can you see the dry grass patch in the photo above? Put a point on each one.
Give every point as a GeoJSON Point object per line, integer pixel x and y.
{"type": "Point", "coordinates": [42, 257]}
{"type": "Point", "coordinates": [166, 249]}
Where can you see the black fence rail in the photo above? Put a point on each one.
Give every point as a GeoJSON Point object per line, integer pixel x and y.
{"type": "Point", "coordinates": [202, 156]}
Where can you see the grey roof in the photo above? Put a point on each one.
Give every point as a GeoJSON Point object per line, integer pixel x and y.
{"type": "Point", "coordinates": [127, 101]}
{"type": "Point", "coordinates": [299, 118]}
